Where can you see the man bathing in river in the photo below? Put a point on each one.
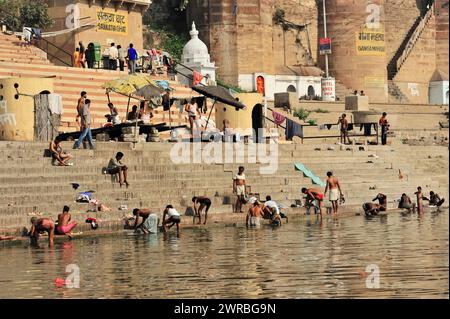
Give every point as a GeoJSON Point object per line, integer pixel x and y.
{"type": "Point", "coordinates": [374, 209]}
{"type": "Point", "coordinates": [65, 226]}
{"type": "Point", "coordinates": [200, 203]}
{"type": "Point", "coordinates": [406, 203]}
{"type": "Point", "coordinates": [173, 217]}
{"type": "Point", "coordinates": [436, 200]}
{"type": "Point", "coordinates": [149, 223]}
{"type": "Point", "coordinates": [254, 215]}
{"type": "Point", "coordinates": [335, 191]}
{"type": "Point", "coordinates": [313, 194]}
{"type": "Point", "coordinates": [272, 211]}
{"type": "Point", "coordinates": [419, 198]}
{"type": "Point", "coordinates": [39, 226]}
{"type": "Point", "coordinates": [239, 189]}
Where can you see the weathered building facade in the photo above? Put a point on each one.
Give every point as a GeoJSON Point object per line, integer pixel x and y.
{"type": "Point", "coordinates": [391, 49]}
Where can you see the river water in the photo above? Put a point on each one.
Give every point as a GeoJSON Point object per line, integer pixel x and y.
{"type": "Point", "coordinates": [303, 259]}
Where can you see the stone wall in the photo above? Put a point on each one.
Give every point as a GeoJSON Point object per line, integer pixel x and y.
{"type": "Point", "coordinates": [441, 9]}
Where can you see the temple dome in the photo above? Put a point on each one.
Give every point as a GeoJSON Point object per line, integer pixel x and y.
{"type": "Point", "coordinates": [195, 50]}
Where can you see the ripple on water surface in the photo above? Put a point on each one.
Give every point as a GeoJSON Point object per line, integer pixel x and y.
{"type": "Point", "coordinates": [307, 259]}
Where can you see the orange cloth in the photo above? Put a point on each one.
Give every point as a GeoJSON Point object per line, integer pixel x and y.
{"type": "Point", "coordinates": [196, 78]}
{"type": "Point", "coordinates": [76, 59]}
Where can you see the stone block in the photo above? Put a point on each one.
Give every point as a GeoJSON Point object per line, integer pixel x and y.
{"type": "Point", "coordinates": [286, 99]}
{"type": "Point", "coordinates": [102, 137]}
{"type": "Point", "coordinates": [129, 130]}
{"type": "Point", "coordinates": [356, 103]}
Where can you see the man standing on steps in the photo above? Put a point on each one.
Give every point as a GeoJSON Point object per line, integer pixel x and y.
{"type": "Point", "coordinates": [113, 56]}
{"type": "Point", "coordinates": [383, 122]}
{"type": "Point", "coordinates": [86, 126]}
{"type": "Point", "coordinates": [239, 189]}
{"type": "Point", "coordinates": [132, 58]}
{"type": "Point", "coordinates": [335, 191]}
{"type": "Point", "coordinates": [80, 105]}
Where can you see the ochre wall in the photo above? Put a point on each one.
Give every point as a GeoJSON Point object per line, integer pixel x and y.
{"type": "Point", "coordinates": [241, 119]}
{"type": "Point", "coordinates": [249, 42]}
{"type": "Point", "coordinates": [21, 110]}
{"type": "Point", "coordinates": [69, 41]}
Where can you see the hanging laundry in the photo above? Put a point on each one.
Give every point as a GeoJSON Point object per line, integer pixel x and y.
{"type": "Point", "coordinates": [278, 118]}
{"type": "Point", "coordinates": [55, 104]}
{"type": "Point", "coordinates": [163, 84]}
{"type": "Point", "coordinates": [329, 126]}
{"type": "Point", "coordinates": [350, 127]}
{"type": "Point", "coordinates": [293, 129]}
{"type": "Point", "coordinates": [196, 78]}
{"type": "Point", "coordinates": [322, 127]}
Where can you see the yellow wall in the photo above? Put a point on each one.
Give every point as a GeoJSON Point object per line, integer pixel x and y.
{"type": "Point", "coordinates": [17, 115]}
{"type": "Point", "coordinates": [241, 119]}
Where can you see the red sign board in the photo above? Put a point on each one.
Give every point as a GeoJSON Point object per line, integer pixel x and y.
{"type": "Point", "coordinates": [325, 46]}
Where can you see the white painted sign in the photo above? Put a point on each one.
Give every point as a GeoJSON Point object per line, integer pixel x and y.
{"type": "Point", "coordinates": [329, 89]}
{"type": "Point", "coordinates": [73, 19]}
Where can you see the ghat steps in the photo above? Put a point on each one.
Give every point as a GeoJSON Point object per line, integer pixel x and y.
{"type": "Point", "coordinates": [17, 60]}
{"type": "Point", "coordinates": [29, 183]}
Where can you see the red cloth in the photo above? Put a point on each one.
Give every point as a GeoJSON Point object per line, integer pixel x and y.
{"type": "Point", "coordinates": [278, 118]}
{"type": "Point", "coordinates": [196, 78]}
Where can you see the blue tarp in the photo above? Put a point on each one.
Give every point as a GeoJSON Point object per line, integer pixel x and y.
{"type": "Point", "coordinates": [306, 172]}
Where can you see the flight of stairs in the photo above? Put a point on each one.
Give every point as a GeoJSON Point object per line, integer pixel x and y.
{"type": "Point", "coordinates": [18, 60]}
{"type": "Point", "coordinates": [396, 93]}
{"type": "Point", "coordinates": [31, 184]}
{"type": "Point", "coordinates": [408, 43]}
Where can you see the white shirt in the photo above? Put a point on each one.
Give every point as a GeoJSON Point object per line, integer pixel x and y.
{"type": "Point", "coordinates": [113, 53]}
{"type": "Point", "coordinates": [272, 204]}
{"type": "Point", "coordinates": [240, 177]}
{"type": "Point", "coordinates": [172, 212]}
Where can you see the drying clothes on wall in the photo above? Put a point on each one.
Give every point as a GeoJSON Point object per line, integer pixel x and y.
{"type": "Point", "coordinates": [163, 84]}
{"type": "Point", "coordinates": [293, 129]}
{"type": "Point", "coordinates": [196, 78]}
{"type": "Point", "coordinates": [278, 118]}
{"type": "Point", "coordinates": [55, 104]}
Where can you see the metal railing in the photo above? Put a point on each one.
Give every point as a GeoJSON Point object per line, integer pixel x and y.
{"type": "Point", "coordinates": [61, 55]}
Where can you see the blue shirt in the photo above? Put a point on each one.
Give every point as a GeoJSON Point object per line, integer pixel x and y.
{"type": "Point", "coordinates": [132, 54]}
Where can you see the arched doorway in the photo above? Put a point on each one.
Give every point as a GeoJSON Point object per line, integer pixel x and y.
{"type": "Point", "coordinates": [311, 91]}
{"type": "Point", "coordinates": [260, 85]}
{"type": "Point", "coordinates": [291, 89]}
{"type": "Point", "coordinates": [257, 123]}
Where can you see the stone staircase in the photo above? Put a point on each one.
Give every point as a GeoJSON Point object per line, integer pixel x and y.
{"type": "Point", "coordinates": [410, 40]}
{"type": "Point", "coordinates": [17, 60]}
{"type": "Point", "coordinates": [29, 183]}
{"type": "Point", "coordinates": [395, 92]}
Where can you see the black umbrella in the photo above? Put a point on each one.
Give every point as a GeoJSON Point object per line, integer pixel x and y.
{"type": "Point", "coordinates": [220, 94]}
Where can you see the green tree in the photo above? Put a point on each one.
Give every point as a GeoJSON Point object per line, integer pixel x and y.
{"type": "Point", "coordinates": [17, 14]}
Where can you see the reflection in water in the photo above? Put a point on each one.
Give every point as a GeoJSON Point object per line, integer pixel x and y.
{"type": "Point", "coordinates": [309, 259]}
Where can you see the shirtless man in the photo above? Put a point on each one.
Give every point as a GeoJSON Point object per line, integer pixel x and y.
{"type": "Point", "coordinates": [420, 198]}
{"type": "Point", "coordinates": [239, 189]}
{"type": "Point", "coordinates": [200, 203]}
{"type": "Point", "coordinates": [254, 215]}
{"type": "Point", "coordinates": [65, 226]}
{"type": "Point", "coordinates": [41, 225]}
{"type": "Point", "coordinates": [313, 194]}
{"type": "Point", "coordinates": [436, 200]}
{"type": "Point", "coordinates": [406, 203]}
{"type": "Point", "coordinates": [80, 105]}
{"type": "Point", "coordinates": [335, 191]}
{"type": "Point", "coordinates": [142, 212]}
{"type": "Point", "coordinates": [58, 154]}
{"type": "Point", "coordinates": [374, 209]}
{"type": "Point", "coordinates": [344, 128]}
